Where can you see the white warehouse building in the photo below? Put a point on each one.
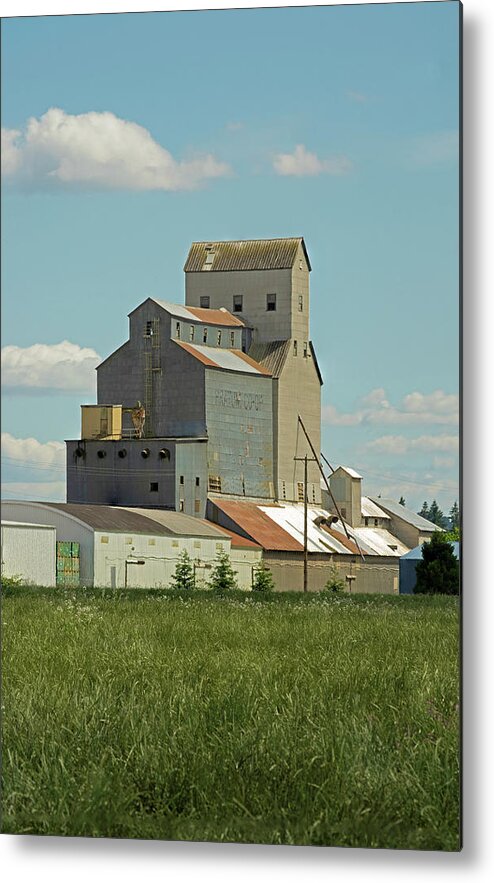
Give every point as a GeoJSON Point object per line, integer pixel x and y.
{"type": "Point", "coordinates": [129, 548]}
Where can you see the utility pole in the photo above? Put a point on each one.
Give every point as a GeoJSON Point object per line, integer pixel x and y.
{"type": "Point", "coordinates": [306, 555]}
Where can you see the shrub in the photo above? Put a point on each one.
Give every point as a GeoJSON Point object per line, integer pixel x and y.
{"type": "Point", "coordinates": [223, 577]}
{"type": "Point", "coordinates": [183, 578]}
{"type": "Point", "coordinates": [334, 585]}
{"type": "Point", "coordinates": [9, 583]}
{"type": "Point", "coordinates": [263, 580]}
{"type": "Point", "coordinates": [438, 573]}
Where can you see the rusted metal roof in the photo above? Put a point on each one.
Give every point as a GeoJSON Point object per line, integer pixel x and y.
{"type": "Point", "coordinates": [196, 314]}
{"type": "Point", "coordinates": [240, 542]}
{"type": "Point", "coordinates": [245, 254]}
{"type": "Point", "coordinates": [223, 357]}
{"type": "Point", "coordinates": [272, 355]}
{"type": "Point", "coordinates": [257, 525]}
{"type": "Point", "coordinates": [215, 317]}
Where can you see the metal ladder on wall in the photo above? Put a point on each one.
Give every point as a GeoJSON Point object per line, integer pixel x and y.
{"type": "Point", "coordinates": [152, 365]}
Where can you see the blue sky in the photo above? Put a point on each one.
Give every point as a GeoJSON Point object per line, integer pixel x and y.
{"type": "Point", "coordinates": [336, 123]}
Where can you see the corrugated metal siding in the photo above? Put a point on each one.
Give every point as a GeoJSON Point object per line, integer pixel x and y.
{"type": "Point", "coordinates": [216, 357]}
{"type": "Point", "coordinates": [29, 552]}
{"type": "Point", "coordinates": [393, 508]}
{"type": "Point", "coordinates": [252, 254]}
{"type": "Point", "coordinates": [272, 355]}
{"type": "Point", "coordinates": [257, 525]}
{"type": "Point", "coordinates": [194, 314]}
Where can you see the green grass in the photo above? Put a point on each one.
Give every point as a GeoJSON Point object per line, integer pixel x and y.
{"type": "Point", "coordinates": [290, 719]}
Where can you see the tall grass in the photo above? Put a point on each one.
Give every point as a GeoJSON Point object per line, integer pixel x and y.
{"type": "Point", "coordinates": [294, 719]}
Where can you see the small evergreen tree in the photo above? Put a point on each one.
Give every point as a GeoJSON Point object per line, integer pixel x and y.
{"type": "Point", "coordinates": [334, 585]}
{"type": "Point", "coordinates": [435, 515]}
{"type": "Point", "coordinates": [454, 515]}
{"type": "Point", "coordinates": [438, 573]}
{"type": "Point", "coordinates": [424, 512]}
{"type": "Point", "coordinates": [183, 578]}
{"type": "Point", "coordinates": [223, 577]}
{"type": "Point", "coordinates": [401, 501]}
{"type": "Point", "coordinates": [263, 580]}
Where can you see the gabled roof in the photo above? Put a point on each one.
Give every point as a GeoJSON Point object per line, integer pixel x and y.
{"type": "Point", "coordinates": [394, 508]}
{"type": "Point", "coordinates": [348, 471]}
{"type": "Point", "coordinates": [257, 525]}
{"type": "Point", "coordinates": [245, 254]}
{"type": "Point", "coordinates": [370, 510]}
{"type": "Point", "coordinates": [221, 357]}
{"type": "Point", "coordinates": [195, 314]}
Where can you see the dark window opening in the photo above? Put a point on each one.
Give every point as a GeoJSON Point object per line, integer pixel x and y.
{"type": "Point", "coordinates": [300, 491]}
{"type": "Point", "coordinates": [191, 333]}
{"type": "Point", "coordinates": [122, 453]}
{"type": "Point", "coordinates": [295, 347]}
{"type": "Point", "coordinates": [101, 454]}
{"type": "Point", "coordinates": [271, 302]}
{"type": "Point", "coordinates": [204, 301]}
{"type": "Point", "coordinates": [165, 454]}
{"type": "Point", "coordinates": [305, 349]}
{"type": "Point", "coordinates": [197, 481]}
{"type": "Point", "coordinates": [153, 486]}
{"type": "Point", "coordinates": [205, 336]}
{"type": "Point", "coordinates": [232, 338]}
{"type": "Point", "coordinates": [145, 453]}
{"type": "Point", "coordinates": [219, 338]}
{"type": "Point", "coordinates": [177, 330]}
{"type": "Point", "coordinates": [300, 303]}
{"type": "Point", "coordinates": [181, 479]}
{"type": "Point", "coordinates": [238, 303]}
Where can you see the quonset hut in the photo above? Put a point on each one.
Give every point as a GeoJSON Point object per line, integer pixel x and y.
{"type": "Point", "coordinates": [205, 398]}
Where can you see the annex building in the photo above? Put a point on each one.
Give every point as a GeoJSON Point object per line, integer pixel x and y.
{"type": "Point", "coordinates": [204, 398]}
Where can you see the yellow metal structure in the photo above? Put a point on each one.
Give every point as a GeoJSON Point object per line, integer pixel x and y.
{"type": "Point", "coordinates": [101, 421]}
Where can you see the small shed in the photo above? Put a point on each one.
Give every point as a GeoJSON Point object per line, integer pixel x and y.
{"type": "Point", "coordinates": [29, 552]}
{"type": "Point", "coordinates": [408, 564]}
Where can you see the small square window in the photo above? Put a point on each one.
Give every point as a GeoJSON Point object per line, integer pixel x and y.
{"type": "Point", "coordinates": [271, 303]}
{"type": "Point", "coordinates": [177, 330]}
{"type": "Point", "coordinates": [238, 303]}
{"type": "Point", "coordinates": [204, 301]}
{"type": "Point", "coordinates": [205, 336]}
{"type": "Point", "coordinates": [191, 332]}
{"type": "Point", "coordinates": [300, 303]}
{"type": "Point", "coordinates": [153, 487]}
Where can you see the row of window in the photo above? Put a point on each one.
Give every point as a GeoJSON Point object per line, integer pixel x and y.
{"type": "Point", "coordinates": [238, 302]}
{"type": "Point", "coordinates": [205, 334]}
{"type": "Point", "coordinates": [300, 492]}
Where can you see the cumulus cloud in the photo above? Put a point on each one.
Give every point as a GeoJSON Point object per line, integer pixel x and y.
{"type": "Point", "coordinates": [33, 453]}
{"type": "Point", "coordinates": [415, 408]}
{"type": "Point", "coordinates": [398, 444]}
{"type": "Point", "coordinates": [302, 163]}
{"type": "Point", "coordinates": [63, 366]}
{"type": "Point", "coordinates": [98, 151]}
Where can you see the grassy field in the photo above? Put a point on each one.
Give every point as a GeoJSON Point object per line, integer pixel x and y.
{"type": "Point", "coordinates": [294, 719]}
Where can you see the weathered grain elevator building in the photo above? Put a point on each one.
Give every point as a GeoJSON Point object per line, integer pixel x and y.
{"type": "Point", "coordinates": [205, 398]}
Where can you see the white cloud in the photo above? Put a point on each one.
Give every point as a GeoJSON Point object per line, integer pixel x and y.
{"type": "Point", "coordinates": [414, 409]}
{"type": "Point", "coordinates": [29, 452]}
{"type": "Point", "coordinates": [398, 444]}
{"type": "Point", "coordinates": [98, 151]}
{"type": "Point", "coordinates": [63, 366]}
{"type": "Point", "coordinates": [302, 163]}
{"type": "Point", "coordinates": [358, 97]}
